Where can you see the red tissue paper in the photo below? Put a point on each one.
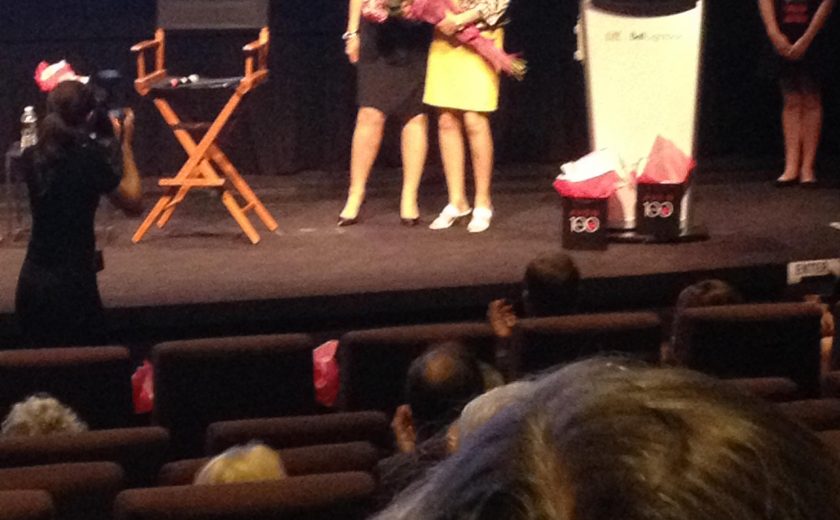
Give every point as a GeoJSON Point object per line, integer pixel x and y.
{"type": "Point", "coordinates": [666, 164]}
{"type": "Point", "coordinates": [325, 371]}
{"type": "Point", "coordinates": [594, 176]}
{"type": "Point", "coordinates": [143, 388]}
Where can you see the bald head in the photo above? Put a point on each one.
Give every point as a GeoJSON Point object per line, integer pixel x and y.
{"type": "Point", "coordinates": [440, 383]}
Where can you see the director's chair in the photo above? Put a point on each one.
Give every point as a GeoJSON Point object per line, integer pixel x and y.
{"type": "Point", "coordinates": [206, 166]}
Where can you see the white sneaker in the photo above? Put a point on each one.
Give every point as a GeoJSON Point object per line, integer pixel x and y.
{"type": "Point", "coordinates": [448, 216]}
{"type": "Point", "coordinates": [480, 221]}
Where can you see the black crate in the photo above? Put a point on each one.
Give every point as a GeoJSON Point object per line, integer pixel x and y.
{"type": "Point", "coordinates": [659, 210]}
{"type": "Point", "coordinates": [584, 224]}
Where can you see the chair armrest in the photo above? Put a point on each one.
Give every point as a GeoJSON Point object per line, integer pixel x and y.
{"type": "Point", "coordinates": [144, 77]}
{"type": "Point", "coordinates": [144, 45]}
{"type": "Point", "coordinates": [257, 49]}
{"type": "Point", "coordinates": [254, 46]}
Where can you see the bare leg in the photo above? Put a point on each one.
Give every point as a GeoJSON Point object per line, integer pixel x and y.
{"type": "Point", "coordinates": [811, 126]}
{"type": "Point", "coordinates": [415, 145]}
{"type": "Point", "coordinates": [480, 137]}
{"type": "Point", "coordinates": [451, 137]}
{"type": "Point", "coordinates": [792, 127]}
{"type": "Point", "coordinates": [367, 137]}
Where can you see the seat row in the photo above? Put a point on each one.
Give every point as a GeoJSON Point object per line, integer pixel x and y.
{"type": "Point", "coordinates": [95, 491]}
{"type": "Point", "coordinates": [325, 480]}
{"type": "Point", "coordinates": [330, 461]}
{"type": "Point", "coordinates": [198, 382]}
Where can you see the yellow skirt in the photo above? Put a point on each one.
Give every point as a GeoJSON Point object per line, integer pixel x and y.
{"type": "Point", "coordinates": [460, 79]}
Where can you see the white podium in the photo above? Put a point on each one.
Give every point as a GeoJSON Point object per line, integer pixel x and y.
{"type": "Point", "coordinates": [642, 63]}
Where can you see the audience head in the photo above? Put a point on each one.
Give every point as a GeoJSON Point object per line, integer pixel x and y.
{"type": "Point", "coordinates": [68, 108]}
{"type": "Point", "coordinates": [484, 407]}
{"type": "Point", "coordinates": [601, 439]}
{"type": "Point", "coordinates": [707, 293]}
{"type": "Point", "coordinates": [253, 462]}
{"type": "Point", "coordinates": [72, 102]}
{"type": "Point", "coordinates": [551, 285]}
{"type": "Point", "coordinates": [41, 414]}
{"type": "Point", "coordinates": [440, 382]}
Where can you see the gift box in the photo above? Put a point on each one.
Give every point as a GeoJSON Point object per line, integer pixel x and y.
{"type": "Point", "coordinates": [660, 210]}
{"type": "Point", "coordinates": [584, 224]}
{"type": "Point", "coordinates": [661, 202]}
{"type": "Point", "coordinates": [586, 186]}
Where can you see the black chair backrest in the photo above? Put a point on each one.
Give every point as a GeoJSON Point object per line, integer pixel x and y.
{"type": "Point", "coordinates": [212, 14]}
{"type": "Point", "coordinates": [198, 382]}
{"type": "Point", "coordinates": [773, 389]}
{"type": "Point", "coordinates": [310, 430]}
{"type": "Point", "coordinates": [755, 340]}
{"type": "Point", "coordinates": [817, 414]}
{"type": "Point", "coordinates": [309, 460]}
{"type": "Point", "coordinates": [26, 505]}
{"type": "Point", "coordinates": [83, 490]}
{"type": "Point", "coordinates": [547, 342]}
{"type": "Point", "coordinates": [140, 451]}
{"type": "Point", "coordinates": [94, 381]}
{"type": "Point", "coordinates": [315, 497]}
{"type": "Point", "coordinates": [374, 363]}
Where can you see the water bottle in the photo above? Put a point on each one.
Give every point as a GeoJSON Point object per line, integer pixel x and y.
{"type": "Point", "coordinates": [28, 128]}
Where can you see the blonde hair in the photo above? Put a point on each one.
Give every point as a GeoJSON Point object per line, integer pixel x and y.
{"type": "Point", "coordinates": [41, 414]}
{"type": "Point", "coordinates": [253, 462]}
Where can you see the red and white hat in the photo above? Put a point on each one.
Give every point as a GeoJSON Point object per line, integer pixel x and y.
{"type": "Point", "coordinates": [48, 76]}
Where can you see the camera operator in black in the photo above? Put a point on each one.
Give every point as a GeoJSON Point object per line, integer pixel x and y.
{"type": "Point", "coordinates": [57, 301]}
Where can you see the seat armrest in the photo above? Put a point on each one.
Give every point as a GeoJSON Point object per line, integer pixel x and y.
{"type": "Point", "coordinates": [254, 46]}
{"type": "Point", "coordinates": [145, 45]}
{"type": "Point", "coordinates": [257, 49]}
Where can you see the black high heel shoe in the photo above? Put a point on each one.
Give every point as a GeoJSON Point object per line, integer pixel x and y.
{"type": "Point", "coordinates": [344, 222]}
{"type": "Point", "coordinates": [350, 221]}
{"type": "Point", "coordinates": [410, 222]}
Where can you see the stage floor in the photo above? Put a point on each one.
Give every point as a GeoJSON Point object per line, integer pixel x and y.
{"type": "Point", "coordinates": [201, 258]}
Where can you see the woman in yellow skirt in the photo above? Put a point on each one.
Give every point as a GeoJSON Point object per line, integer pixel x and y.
{"type": "Point", "coordinates": [465, 90]}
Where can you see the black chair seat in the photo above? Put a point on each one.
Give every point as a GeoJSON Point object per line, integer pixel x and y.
{"type": "Point", "coordinates": [170, 85]}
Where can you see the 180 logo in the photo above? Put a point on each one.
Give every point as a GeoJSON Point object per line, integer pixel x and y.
{"type": "Point", "coordinates": [584, 224]}
{"type": "Point", "coordinates": [654, 209]}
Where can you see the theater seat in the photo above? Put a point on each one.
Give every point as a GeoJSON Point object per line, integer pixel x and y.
{"type": "Point", "coordinates": [774, 389]}
{"type": "Point", "coordinates": [757, 340]}
{"type": "Point", "coordinates": [817, 414]}
{"type": "Point", "coordinates": [551, 341]}
{"type": "Point", "coordinates": [831, 438]}
{"type": "Point", "coordinates": [289, 432]}
{"type": "Point", "coordinates": [26, 505]}
{"type": "Point", "coordinates": [374, 363]}
{"type": "Point", "coordinates": [345, 496]}
{"type": "Point", "coordinates": [311, 460]}
{"type": "Point", "coordinates": [83, 490]}
{"type": "Point", "coordinates": [94, 381]}
{"type": "Point", "coordinates": [198, 382]}
{"type": "Point", "coordinates": [140, 451]}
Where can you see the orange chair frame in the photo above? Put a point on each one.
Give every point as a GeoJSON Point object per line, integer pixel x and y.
{"type": "Point", "coordinates": [199, 171]}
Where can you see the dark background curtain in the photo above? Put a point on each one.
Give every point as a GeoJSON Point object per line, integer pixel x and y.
{"type": "Point", "coordinates": [303, 119]}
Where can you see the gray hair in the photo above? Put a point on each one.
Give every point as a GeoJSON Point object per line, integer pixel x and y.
{"type": "Point", "coordinates": [484, 407]}
{"type": "Point", "coordinates": [606, 438]}
{"type": "Point", "coordinates": [41, 414]}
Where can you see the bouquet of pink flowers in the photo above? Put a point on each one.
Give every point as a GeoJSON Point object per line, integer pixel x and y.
{"type": "Point", "coordinates": [433, 12]}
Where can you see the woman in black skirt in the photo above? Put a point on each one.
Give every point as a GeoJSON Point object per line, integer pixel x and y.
{"type": "Point", "coordinates": [391, 63]}
{"type": "Point", "coordinates": [793, 27]}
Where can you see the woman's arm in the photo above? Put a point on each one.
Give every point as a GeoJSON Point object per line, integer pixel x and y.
{"type": "Point", "coordinates": [801, 45]}
{"type": "Point", "coordinates": [487, 11]}
{"type": "Point", "coordinates": [771, 26]}
{"type": "Point", "coordinates": [351, 36]}
{"type": "Point", "coordinates": [128, 196]}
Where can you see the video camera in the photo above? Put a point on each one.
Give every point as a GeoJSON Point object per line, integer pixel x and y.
{"type": "Point", "coordinates": [107, 103]}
